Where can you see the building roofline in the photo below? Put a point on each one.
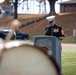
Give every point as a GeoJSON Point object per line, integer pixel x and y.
{"type": "Point", "coordinates": [68, 2]}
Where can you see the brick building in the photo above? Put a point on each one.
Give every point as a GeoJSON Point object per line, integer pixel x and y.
{"type": "Point", "coordinates": [69, 6]}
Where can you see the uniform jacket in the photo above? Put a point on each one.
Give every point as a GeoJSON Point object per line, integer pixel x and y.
{"type": "Point", "coordinates": [53, 31]}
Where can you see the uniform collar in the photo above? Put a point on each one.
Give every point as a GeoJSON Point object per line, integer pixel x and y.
{"type": "Point", "coordinates": [53, 25]}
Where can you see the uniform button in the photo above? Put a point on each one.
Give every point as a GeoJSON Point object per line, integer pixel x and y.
{"type": "Point", "coordinates": [52, 31]}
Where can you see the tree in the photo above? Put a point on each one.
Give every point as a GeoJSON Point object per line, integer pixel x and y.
{"type": "Point", "coordinates": [52, 6]}
{"type": "Point", "coordinates": [15, 3]}
{"type": "Point", "coordinates": [15, 7]}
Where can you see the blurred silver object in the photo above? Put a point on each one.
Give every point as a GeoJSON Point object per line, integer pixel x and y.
{"type": "Point", "coordinates": [22, 58]}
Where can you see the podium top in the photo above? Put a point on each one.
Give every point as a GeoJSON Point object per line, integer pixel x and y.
{"type": "Point", "coordinates": [45, 36]}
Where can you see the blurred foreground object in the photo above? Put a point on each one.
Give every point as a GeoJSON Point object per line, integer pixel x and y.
{"type": "Point", "coordinates": [22, 58]}
{"type": "Point", "coordinates": [15, 26]}
{"type": "Point", "coordinates": [4, 32]}
{"type": "Point", "coordinates": [13, 33]}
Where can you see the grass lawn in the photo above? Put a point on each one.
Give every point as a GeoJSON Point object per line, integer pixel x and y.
{"type": "Point", "coordinates": [69, 61]}
{"type": "Point", "coordinates": [69, 39]}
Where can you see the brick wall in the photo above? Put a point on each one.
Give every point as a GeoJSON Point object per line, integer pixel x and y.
{"type": "Point", "coordinates": [65, 8]}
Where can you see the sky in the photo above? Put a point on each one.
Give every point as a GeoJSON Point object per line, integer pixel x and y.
{"type": "Point", "coordinates": [34, 7]}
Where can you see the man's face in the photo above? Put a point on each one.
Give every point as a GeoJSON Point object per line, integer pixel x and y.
{"type": "Point", "coordinates": [52, 23]}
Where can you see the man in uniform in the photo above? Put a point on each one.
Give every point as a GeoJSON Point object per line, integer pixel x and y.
{"type": "Point", "coordinates": [52, 29]}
